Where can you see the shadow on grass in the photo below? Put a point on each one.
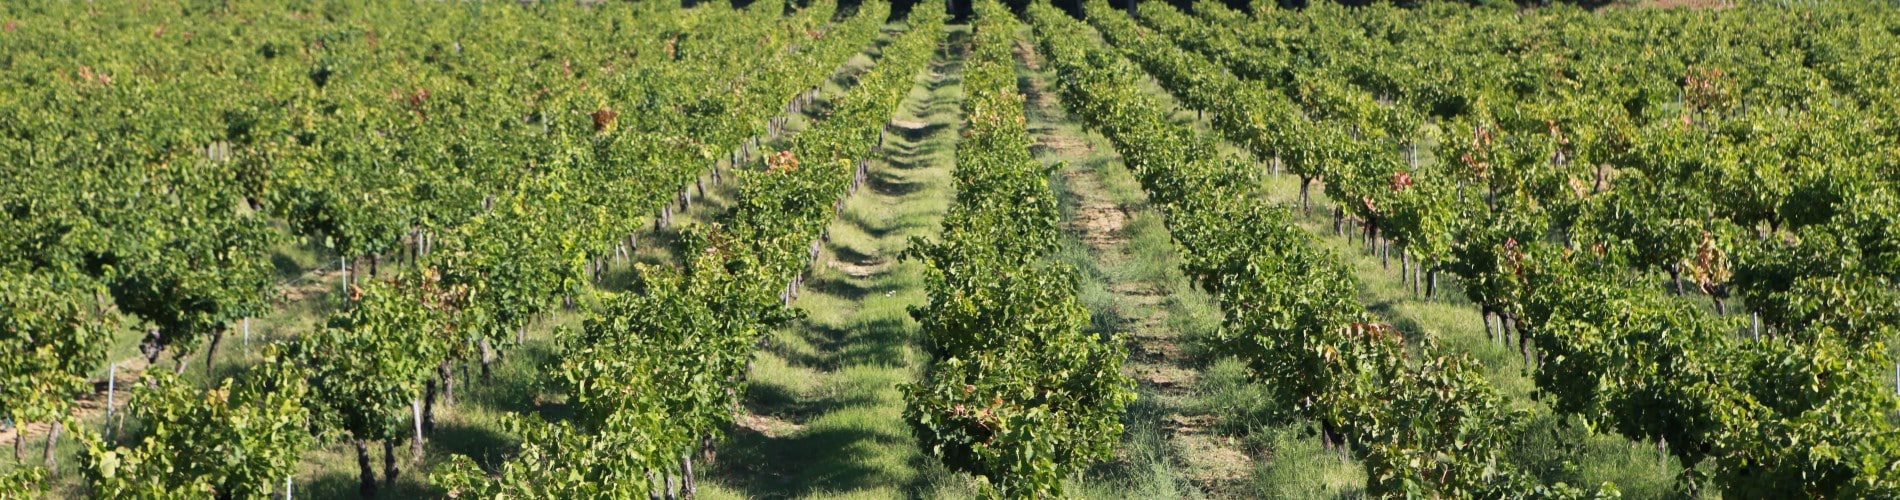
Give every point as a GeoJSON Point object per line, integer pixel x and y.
{"type": "Point", "coordinates": [286, 266]}
{"type": "Point", "coordinates": [887, 183]}
{"type": "Point", "coordinates": [810, 462]}
{"type": "Point", "coordinates": [855, 256]}
{"type": "Point", "coordinates": [917, 135]}
{"type": "Point", "coordinates": [1389, 309]}
{"type": "Point", "coordinates": [770, 398]}
{"type": "Point", "coordinates": [880, 342]}
{"type": "Point", "coordinates": [824, 411]}
{"type": "Point", "coordinates": [344, 483]}
{"type": "Point", "coordinates": [904, 158]}
{"type": "Point", "coordinates": [850, 290]}
{"type": "Point", "coordinates": [513, 387]}
{"type": "Point", "coordinates": [488, 447]}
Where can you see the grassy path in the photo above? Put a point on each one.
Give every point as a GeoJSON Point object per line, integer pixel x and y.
{"type": "Point", "coordinates": [1132, 284]}
{"type": "Point", "coordinates": [824, 414]}
{"type": "Point", "coordinates": [1200, 427]}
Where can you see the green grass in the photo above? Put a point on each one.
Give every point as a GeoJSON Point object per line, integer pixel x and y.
{"type": "Point", "coordinates": [824, 412]}
{"type": "Point", "coordinates": [1297, 465]}
{"type": "Point", "coordinates": [1133, 285]}
{"type": "Point", "coordinates": [1148, 464]}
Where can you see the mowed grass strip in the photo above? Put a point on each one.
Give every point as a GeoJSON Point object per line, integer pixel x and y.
{"type": "Point", "coordinates": [824, 413]}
